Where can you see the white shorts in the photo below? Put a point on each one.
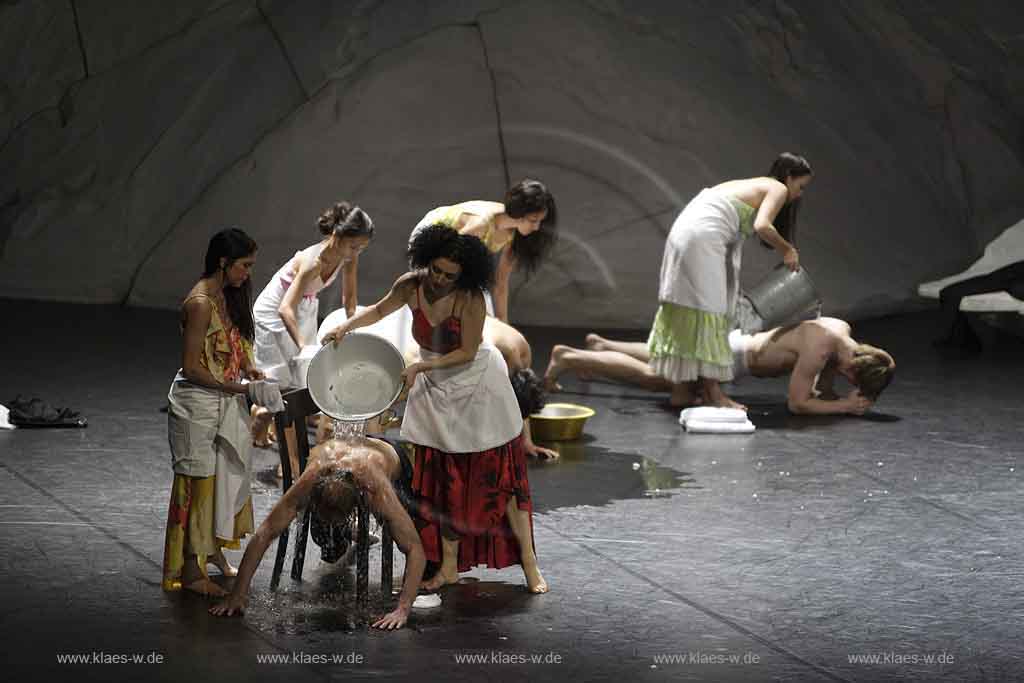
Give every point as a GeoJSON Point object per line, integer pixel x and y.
{"type": "Point", "coordinates": [739, 344]}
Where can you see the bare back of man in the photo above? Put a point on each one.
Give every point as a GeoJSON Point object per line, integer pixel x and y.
{"type": "Point", "coordinates": [775, 352]}
{"type": "Point", "coordinates": [374, 466]}
{"type": "Point", "coordinates": [811, 352]}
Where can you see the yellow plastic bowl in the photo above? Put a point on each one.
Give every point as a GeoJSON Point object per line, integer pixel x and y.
{"type": "Point", "coordinates": [559, 422]}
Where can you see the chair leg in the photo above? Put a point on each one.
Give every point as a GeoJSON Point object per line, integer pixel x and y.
{"type": "Point", "coordinates": [280, 419]}
{"type": "Point", "coordinates": [386, 561]}
{"type": "Point", "coordinates": [363, 554]}
{"type": "Point", "coordinates": [280, 423]}
{"type": "Point", "coordinates": [300, 545]}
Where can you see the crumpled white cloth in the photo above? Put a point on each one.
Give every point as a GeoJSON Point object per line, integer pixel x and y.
{"type": "Point", "coordinates": [5, 418]}
{"type": "Point", "coordinates": [266, 394]}
{"type": "Point", "coordinates": [712, 420]}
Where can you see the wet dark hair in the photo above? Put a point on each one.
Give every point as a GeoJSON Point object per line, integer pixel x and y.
{"type": "Point", "coordinates": [785, 166]}
{"type": "Point", "coordinates": [232, 244]}
{"type": "Point", "coordinates": [334, 496]}
{"type": "Point", "coordinates": [439, 241]}
{"type": "Point", "coordinates": [529, 390]}
{"type": "Point", "coordinates": [526, 197]}
{"type": "Point", "coordinates": [345, 220]}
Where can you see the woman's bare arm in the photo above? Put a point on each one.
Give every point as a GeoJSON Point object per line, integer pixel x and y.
{"type": "Point", "coordinates": [399, 295]}
{"type": "Point", "coordinates": [349, 284]}
{"type": "Point", "coordinates": [309, 268]}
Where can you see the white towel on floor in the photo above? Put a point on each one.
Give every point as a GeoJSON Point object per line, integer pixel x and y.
{"type": "Point", "coordinates": [712, 414]}
{"type": "Point", "coordinates": [702, 427]}
{"type": "Point", "coordinates": [711, 420]}
{"type": "Point", "coordinates": [5, 418]}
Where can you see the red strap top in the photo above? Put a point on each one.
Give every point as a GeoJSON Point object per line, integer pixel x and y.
{"type": "Point", "coordinates": [444, 338]}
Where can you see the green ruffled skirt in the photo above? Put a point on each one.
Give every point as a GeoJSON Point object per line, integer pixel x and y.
{"type": "Point", "coordinates": [687, 343]}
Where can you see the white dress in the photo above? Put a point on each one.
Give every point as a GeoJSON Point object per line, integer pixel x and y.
{"type": "Point", "coordinates": [275, 352]}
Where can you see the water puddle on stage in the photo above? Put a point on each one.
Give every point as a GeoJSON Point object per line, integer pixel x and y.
{"type": "Point", "coordinates": [585, 474]}
{"type": "Point", "coordinates": [324, 602]}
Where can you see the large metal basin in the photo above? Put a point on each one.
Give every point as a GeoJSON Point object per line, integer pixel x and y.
{"type": "Point", "coordinates": [357, 378]}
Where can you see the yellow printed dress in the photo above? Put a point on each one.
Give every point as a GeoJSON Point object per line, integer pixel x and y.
{"type": "Point", "coordinates": [208, 432]}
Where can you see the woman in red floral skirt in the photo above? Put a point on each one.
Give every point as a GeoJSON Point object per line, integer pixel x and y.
{"type": "Point", "coordinates": [462, 415]}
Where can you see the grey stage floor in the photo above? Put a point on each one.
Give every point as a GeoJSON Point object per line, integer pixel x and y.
{"type": "Point", "coordinates": [801, 552]}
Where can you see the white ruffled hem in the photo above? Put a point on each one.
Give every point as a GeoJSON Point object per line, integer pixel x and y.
{"type": "Point", "coordinates": [677, 370]}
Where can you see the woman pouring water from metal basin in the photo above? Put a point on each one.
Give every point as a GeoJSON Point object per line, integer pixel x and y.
{"type": "Point", "coordinates": [462, 415]}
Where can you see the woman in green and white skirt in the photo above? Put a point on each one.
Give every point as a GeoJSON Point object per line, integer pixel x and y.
{"type": "Point", "coordinates": [700, 270]}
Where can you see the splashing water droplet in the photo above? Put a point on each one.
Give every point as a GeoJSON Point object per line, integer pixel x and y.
{"type": "Point", "coordinates": [348, 431]}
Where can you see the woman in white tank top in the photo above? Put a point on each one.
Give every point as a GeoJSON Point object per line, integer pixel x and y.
{"type": "Point", "coordinates": [286, 310]}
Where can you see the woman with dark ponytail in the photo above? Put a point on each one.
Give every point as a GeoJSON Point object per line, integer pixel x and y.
{"type": "Point", "coordinates": [522, 230]}
{"type": "Point", "coordinates": [208, 419]}
{"type": "Point", "coordinates": [700, 270]}
{"type": "Point", "coordinates": [286, 310]}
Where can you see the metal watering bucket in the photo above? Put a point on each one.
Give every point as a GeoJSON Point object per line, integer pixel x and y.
{"type": "Point", "coordinates": [783, 295]}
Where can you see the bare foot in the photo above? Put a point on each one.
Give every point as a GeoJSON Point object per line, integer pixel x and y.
{"type": "Point", "coordinates": [535, 583]}
{"type": "Point", "coordinates": [261, 420]}
{"type": "Point", "coordinates": [718, 399]}
{"type": "Point", "coordinates": [684, 396]}
{"type": "Point", "coordinates": [726, 402]}
{"type": "Point", "coordinates": [220, 562]}
{"type": "Point", "coordinates": [205, 587]}
{"type": "Point", "coordinates": [556, 366]}
{"type": "Point", "coordinates": [596, 342]}
{"type": "Point", "coordinates": [442, 578]}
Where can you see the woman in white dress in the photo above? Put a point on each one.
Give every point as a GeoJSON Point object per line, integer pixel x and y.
{"type": "Point", "coordinates": [286, 309]}
{"type": "Point", "coordinates": [699, 284]}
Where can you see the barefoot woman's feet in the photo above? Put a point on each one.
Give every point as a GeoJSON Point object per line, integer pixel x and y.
{"type": "Point", "coordinates": [441, 578]}
{"type": "Point", "coordinates": [535, 583]}
{"type": "Point", "coordinates": [205, 587]}
{"type": "Point", "coordinates": [220, 562]}
{"type": "Point", "coordinates": [714, 396]}
{"type": "Point", "coordinates": [684, 396]}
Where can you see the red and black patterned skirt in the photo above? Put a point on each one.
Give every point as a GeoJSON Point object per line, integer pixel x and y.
{"type": "Point", "coordinates": [468, 494]}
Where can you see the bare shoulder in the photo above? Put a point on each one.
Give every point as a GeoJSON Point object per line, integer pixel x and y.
{"type": "Point", "coordinates": [406, 284]}
{"type": "Point", "coordinates": [835, 326]}
{"type": "Point", "coordinates": [197, 305]}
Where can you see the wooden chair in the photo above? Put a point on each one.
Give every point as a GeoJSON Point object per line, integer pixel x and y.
{"type": "Point", "coordinates": [298, 405]}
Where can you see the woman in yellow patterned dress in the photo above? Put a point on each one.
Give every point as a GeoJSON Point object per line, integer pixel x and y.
{"type": "Point", "coordinates": [522, 230]}
{"type": "Point", "coordinates": [699, 284]}
{"type": "Point", "coordinates": [208, 419]}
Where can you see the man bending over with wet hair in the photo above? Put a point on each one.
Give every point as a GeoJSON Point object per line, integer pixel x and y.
{"type": "Point", "coordinates": [337, 471]}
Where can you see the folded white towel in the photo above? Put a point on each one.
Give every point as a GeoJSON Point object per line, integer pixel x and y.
{"type": "Point", "coordinates": [266, 394]}
{"type": "Point", "coordinates": [712, 414]}
{"type": "Point", "coordinates": [5, 418]}
{"type": "Point", "coordinates": [702, 427]}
